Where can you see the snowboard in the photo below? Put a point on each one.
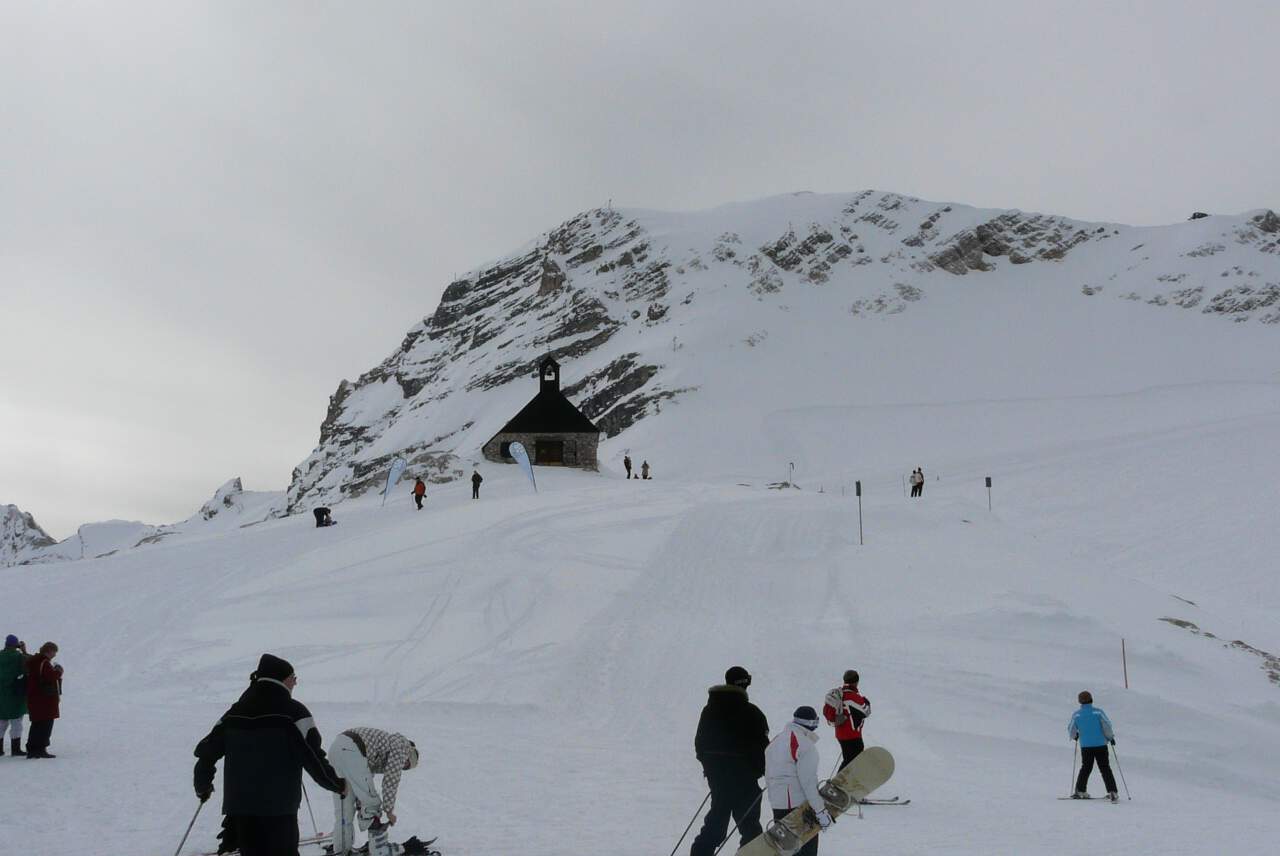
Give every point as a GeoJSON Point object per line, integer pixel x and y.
{"type": "Point", "coordinates": [864, 774]}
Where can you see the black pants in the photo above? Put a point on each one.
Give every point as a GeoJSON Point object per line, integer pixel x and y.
{"type": "Point", "coordinates": [38, 737]}
{"type": "Point", "coordinates": [852, 749]}
{"type": "Point", "coordinates": [1088, 756]}
{"type": "Point", "coordinates": [267, 836]}
{"type": "Point", "coordinates": [475, 491]}
{"type": "Point", "coordinates": [734, 793]}
{"type": "Point", "coordinates": [811, 846]}
{"type": "Point", "coordinates": [418, 499]}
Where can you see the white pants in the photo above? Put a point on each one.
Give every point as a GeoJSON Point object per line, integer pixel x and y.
{"type": "Point", "coordinates": [14, 726]}
{"type": "Point", "coordinates": [350, 764]}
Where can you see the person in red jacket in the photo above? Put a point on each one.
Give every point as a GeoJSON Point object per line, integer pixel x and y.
{"type": "Point", "coordinates": [846, 708]}
{"type": "Point", "coordinates": [419, 491]}
{"type": "Point", "coordinates": [44, 687]}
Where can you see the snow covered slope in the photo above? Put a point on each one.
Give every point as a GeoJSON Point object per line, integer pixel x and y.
{"type": "Point", "coordinates": [22, 541]}
{"type": "Point", "coordinates": [800, 300]}
{"type": "Point", "coordinates": [554, 649]}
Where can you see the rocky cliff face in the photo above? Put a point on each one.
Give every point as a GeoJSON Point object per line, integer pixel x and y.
{"type": "Point", "coordinates": [20, 536]}
{"type": "Point", "coordinates": [615, 296]}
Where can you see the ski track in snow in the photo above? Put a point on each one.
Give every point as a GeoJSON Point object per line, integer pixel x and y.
{"type": "Point", "coordinates": [550, 653]}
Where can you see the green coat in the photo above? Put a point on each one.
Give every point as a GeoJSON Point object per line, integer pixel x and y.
{"type": "Point", "coordinates": [13, 703]}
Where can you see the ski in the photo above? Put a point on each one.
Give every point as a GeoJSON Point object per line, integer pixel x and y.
{"type": "Point", "coordinates": [1086, 799]}
{"type": "Point", "coordinates": [322, 839]}
{"type": "Point", "coordinates": [894, 801]}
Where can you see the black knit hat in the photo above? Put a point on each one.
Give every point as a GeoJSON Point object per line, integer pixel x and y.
{"type": "Point", "coordinates": [806, 716]}
{"type": "Point", "coordinates": [271, 666]}
{"type": "Point", "coordinates": [737, 677]}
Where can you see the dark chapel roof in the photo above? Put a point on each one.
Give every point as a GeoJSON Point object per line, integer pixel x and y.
{"type": "Point", "coordinates": [549, 412]}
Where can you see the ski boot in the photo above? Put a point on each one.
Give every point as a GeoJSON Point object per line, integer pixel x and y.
{"type": "Point", "coordinates": [1081, 795]}
{"type": "Point", "coordinates": [1113, 796]}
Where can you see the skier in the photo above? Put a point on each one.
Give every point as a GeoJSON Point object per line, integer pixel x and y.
{"type": "Point", "coordinates": [1091, 726]}
{"type": "Point", "coordinates": [476, 478]}
{"type": "Point", "coordinates": [732, 735]}
{"type": "Point", "coordinates": [847, 709]}
{"type": "Point", "coordinates": [44, 689]}
{"type": "Point", "coordinates": [419, 491]}
{"type": "Point", "coordinates": [644, 471]}
{"type": "Point", "coordinates": [626, 462]}
{"type": "Point", "coordinates": [13, 693]}
{"type": "Point", "coordinates": [791, 772]}
{"type": "Point", "coordinates": [268, 739]}
{"type": "Point", "coordinates": [357, 754]}
{"type": "Point", "coordinates": [322, 517]}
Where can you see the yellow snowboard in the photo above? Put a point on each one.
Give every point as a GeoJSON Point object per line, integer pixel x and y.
{"type": "Point", "coordinates": [864, 774]}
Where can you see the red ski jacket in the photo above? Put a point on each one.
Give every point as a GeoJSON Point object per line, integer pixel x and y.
{"type": "Point", "coordinates": [846, 709]}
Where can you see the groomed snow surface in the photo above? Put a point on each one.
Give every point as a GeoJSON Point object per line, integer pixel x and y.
{"type": "Point", "coordinates": [550, 653]}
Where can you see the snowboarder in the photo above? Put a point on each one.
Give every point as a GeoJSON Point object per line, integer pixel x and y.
{"type": "Point", "coordinates": [644, 471]}
{"type": "Point", "coordinates": [323, 517]}
{"type": "Point", "coordinates": [732, 735]}
{"type": "Point", "coordinates": [13, 693]}
{"type": "Point", "coordinates": [419, 492]}
{"type": "Point", "coordinates": [357, 754]}
{"type": "Point", "coordinates": [791, 772]}
{"type": "Point", "coordinates": [626, 462]}
{"type": "Point", "coordinates": [44, 690]}
{"type": "Point", "coordinates": [1091, 726]}
{"type": "Point", "coordinates": [476, 478]}
{"type": "Point", "coordinates": [846, 708]}
{"type": "Point", "coordinates": [268, 739]}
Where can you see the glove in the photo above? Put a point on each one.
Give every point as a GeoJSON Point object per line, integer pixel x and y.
{"type": "Point", "coordinates": [203, 795]}
{"type": "Point", "coordinates": [391, 818]}
{"type": "Point", "coordinates": [824, 818]}
{"type": "Point", "coordinates": [1075, 737]}
{"type": "Point", "coordinates": [1113, 741]}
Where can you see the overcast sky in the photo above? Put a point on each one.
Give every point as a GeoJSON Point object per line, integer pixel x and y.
{"type": "Point", "coordinates": [212, 213]}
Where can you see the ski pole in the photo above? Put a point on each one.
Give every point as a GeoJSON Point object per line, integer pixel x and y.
{"type": "Point", "coordinates": [690, 826]}
{"type": "Point", "coordinates": [1116, 755]}
{"type": "Point", "coordinates": [314, 828]}
{"type": "Point", "coordinates": [189, 825]}
{"type": "Point", "coordinates": [1075, 744]}
{"type": "Point", "coordinates": [754, 802]}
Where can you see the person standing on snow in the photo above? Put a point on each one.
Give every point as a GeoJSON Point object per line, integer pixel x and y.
{"type": "Point", "coordinates": [13, 693]}
{"type": "Point", "coordinates": [476, 478]}
{"type": "Point", "coordinates": [1092, 727]}
{"type": "Point", "coordinates": [791, 772]}
{"type": "Point", "coordinates": [644, 471]}
{"type": "Point", "coordinates": [626, 462]}
{"type": "Point", "coordinates": [268, 739]}
{"type": "Point", "coordinates": [847, 709]}
{"type": "Point", "coordinates": [357, 754]}
{"type": "Point", "coordinates": [732, 735]}
{"type": "Point", "coordinates": [419, 491]}
{"type": "Point", "coordinates": [44, 692]}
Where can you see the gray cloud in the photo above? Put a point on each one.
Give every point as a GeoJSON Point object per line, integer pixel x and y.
{"type": "Point", "coordinates": [210, 213]}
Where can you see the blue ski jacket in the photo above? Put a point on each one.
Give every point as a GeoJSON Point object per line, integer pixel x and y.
{"type": "Point", "coordinates": [1091, 725]}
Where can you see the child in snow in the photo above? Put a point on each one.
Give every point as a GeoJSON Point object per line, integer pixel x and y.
{"type": "Point", "coordinates": [1091, 726]}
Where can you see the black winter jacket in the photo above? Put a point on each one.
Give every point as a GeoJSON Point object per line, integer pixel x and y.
{"type": "Point", "coordinates": [731, 729]}
{"type": "Point", "coordinates": [268, 738]}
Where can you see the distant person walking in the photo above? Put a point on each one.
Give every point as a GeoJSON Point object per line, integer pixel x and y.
{"type": "Point", "coordinates": [732, 735]}
{"type": "Point", "coordinates": [13, 693]}
{"type": "Point", "coordinates": [626, 462]}
{"type": "Point", "coordinates": [420, 491]}
{"type": "Point", "coordinates": [44, 691]}
{"type": "Point", "coordinates": [476, 478]}
{"type": "Point", "coordinates": [1092, 727]}
{"type": "Point", "coordinates": [644, 471]}
{"type": "Point", "coordinates": [268, 738]}
{"type": "Point", "coordinates": [791, 772]}
{"type": "Point", "coordinates": [846, 708]}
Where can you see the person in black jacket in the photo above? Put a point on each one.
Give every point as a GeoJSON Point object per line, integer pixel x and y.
{"type": "Point", "coordinates": [268, 739]}
{"type": "Point", "coordinates": [732, 736]}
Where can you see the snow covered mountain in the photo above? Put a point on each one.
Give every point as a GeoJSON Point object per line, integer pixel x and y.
{"type": "Point", "coordinates": [648, 311]}
{"type": "Point", "coordinates": [23, 542]}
